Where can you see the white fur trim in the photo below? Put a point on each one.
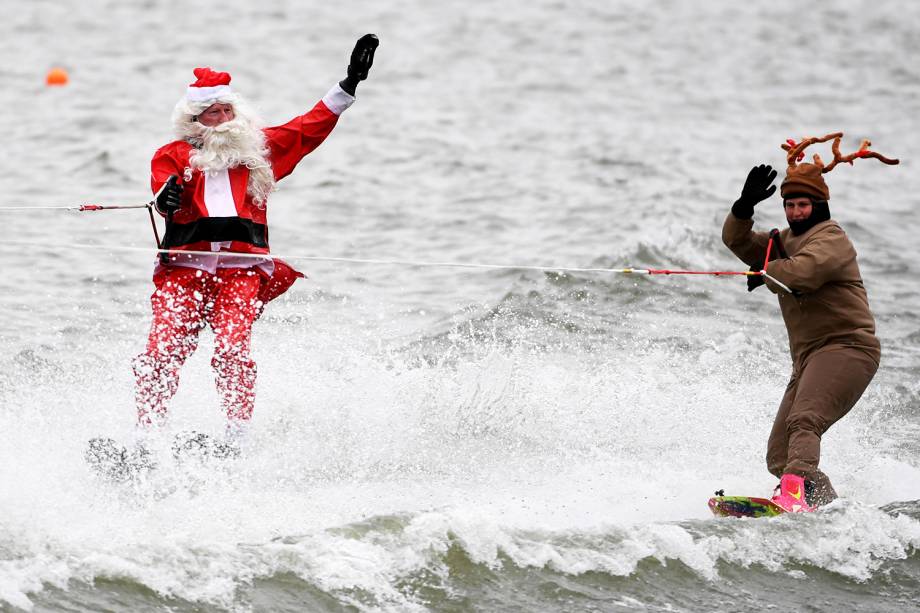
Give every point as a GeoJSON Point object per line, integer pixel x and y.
{"type": "Point", "coordinates": [337, 99]}
{"type": "Point", "coordinates": [201, 94]}
{"type": "Point", "coordinates": [218, 197]}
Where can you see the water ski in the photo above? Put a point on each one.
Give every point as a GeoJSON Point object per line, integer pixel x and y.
{"type": "Point", "coordinates": [116, 462]}
{"type": "Point", "coordinates": [199, 445]}
{"type": "Point", "coordinates": [742, 506]}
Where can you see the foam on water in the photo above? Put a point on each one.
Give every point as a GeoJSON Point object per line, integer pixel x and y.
{"type": "Point", "coordinates": [538, 456]}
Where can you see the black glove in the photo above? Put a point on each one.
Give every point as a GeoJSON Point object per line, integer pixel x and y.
{"type": "Point", "coordinates": [362, 58]}
{"type": "Point", "coordinates": [170, 197]}
{"type": "Point", "coordinates": [757, 187]}
{"type": "Point", "coordinates": [754, 281]}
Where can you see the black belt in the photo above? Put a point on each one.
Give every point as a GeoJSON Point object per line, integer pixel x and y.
{"type": "Point", "coordinates": [215, 230]}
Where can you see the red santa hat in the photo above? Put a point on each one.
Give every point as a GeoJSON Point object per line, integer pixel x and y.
{"type": "Point", "coordinates": [210, 86]}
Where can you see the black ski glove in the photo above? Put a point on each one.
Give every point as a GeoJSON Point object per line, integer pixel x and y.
{"type": "Point", "coordinates": [754, 281]}
{"type": "Point", "coordinates": [170, 197]}
{"type": "Point", "coordinates": [757, 187]}
{"type": "Point", "coordinates": [362, 58]}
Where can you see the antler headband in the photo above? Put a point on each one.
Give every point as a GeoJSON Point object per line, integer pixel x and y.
{"type": "Point", "coordinates": [796, 151]}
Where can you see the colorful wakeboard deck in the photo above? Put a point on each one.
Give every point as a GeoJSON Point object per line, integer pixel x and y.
{"type": "Point", "coordinates": [743, 506]}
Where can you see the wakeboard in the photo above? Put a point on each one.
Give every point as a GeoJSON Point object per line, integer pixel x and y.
{"type": "Point", "coordinates": [743, 506]}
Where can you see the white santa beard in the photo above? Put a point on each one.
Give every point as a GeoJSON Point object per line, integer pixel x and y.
{"type": "Point", "coordinates": [233, 143]}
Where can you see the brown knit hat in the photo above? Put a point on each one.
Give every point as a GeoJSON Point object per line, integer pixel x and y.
{"type": "Point", "coordinates": [805, 179]}
{"type": "Point", "coordinates": [808, 178]}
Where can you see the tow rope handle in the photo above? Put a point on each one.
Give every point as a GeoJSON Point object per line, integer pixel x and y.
{"type": "Point", "coordinates": [164, 258]}
{"type": "Point", "coordinates": [774, 236]}
{"type": "Point", "coordinates": [775, 240]}
{"type": "Point", "coordinates": [161, 244]}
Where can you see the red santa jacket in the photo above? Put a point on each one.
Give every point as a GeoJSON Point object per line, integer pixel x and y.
{"type": "Point", "coordinates": [215, 206]}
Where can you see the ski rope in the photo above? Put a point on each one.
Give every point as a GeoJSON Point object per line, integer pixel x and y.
{"type": "Point", "coordinates": [79, 209]}
{"type": "Point", "coordinates": [165, 253]}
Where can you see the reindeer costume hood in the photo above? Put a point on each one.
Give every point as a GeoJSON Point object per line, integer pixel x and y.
{"type": "Point", "coordinates": [808, 179]}
{"type": "Point", "coordinates": [805, 179]}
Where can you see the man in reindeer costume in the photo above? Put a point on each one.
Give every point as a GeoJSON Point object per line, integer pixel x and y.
{"type": "Point", "coordinates": [213, 185]}
{"type": "Point", "coordinates": [831, 330]}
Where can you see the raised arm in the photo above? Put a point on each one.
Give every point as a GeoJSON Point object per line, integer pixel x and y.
{"type": "Point", "coordinates": [290, 142]}
{"type": "Point", "coordinates": [737, 231]}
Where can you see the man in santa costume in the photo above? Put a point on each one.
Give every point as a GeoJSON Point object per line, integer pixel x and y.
{"type": "Point", "coordinates": [213, 186]}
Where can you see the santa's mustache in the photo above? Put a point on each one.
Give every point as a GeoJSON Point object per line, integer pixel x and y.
{"type": "Point", "coordinates": [234, 132]}
{"type": "Point", "coordinates": [234, 143]}
{"type": "Point", "coordinates": [231, 141]}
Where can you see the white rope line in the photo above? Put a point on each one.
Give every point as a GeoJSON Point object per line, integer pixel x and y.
{"type": "Point", "coordinates": [372, 261]}
{"type": "Point", "coordinates": [40, 208]}
{"type": "Point", "coordinates": [766, 276]}
{"type": "Point", "coordinates": [321, 258]}
{"type": "Point", "coordinates": [88, 208]}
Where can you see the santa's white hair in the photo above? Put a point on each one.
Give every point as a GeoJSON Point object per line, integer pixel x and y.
{"type": "Point", "coordinates": [238, 142]}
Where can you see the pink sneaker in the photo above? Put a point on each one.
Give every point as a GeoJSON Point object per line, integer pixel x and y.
{"type": "Point", "coordinates": [791, 497]}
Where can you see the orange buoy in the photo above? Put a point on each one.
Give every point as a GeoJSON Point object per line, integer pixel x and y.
{"type": "Point", "coordinates": [56, 76]}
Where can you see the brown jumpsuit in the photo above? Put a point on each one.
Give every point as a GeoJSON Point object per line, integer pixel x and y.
{"type": "Point", "coordinates": [831, 337]}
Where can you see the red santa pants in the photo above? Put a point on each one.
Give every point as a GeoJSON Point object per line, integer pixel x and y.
{"type": "Point", "coordinates": [185, 301]}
